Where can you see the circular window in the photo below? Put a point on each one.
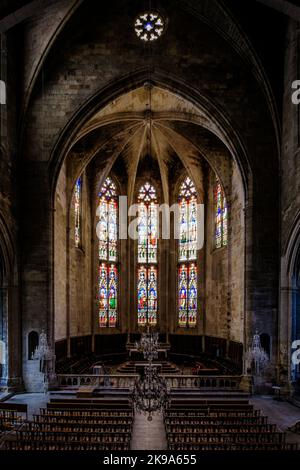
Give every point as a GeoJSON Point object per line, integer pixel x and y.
{"type": "Point", "coordinates": [149, 26]}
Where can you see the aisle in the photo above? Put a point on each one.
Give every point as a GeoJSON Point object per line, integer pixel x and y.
{"type": "Point", "coordinates": [149, 435]}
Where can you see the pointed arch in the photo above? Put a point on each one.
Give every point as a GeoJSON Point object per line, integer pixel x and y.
{"type": "Point", "coordinates": [187, 255]}
{"type": "Point", "coordinates": [108, 254]}
{"type": "Point", "coordinates": [147, 256]}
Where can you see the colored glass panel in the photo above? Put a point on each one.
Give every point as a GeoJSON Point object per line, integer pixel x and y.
{"type": "Point", "coordinates": [182, 297]}
{"type": "Point", "coordinates": [187, 255]}
{"type": "Point", "coordinates": [152, 233]}
{"type": "Point", "coordinates": [103, 224]}
{"type": "Point", "coordinates": [192, 255]}
{"type": "Point", "coordinates": [103, 295]}
{"type": "Point", "coordinates": [77, 210]}
{"type": "Point", "coordinates": [147, 255]}
{"type": "Point", "coordinates": [221, 215]}
{"type": "Point", "coordinates": [192, 296]}
{"type": "Point", "coordinates": [108, 252]}
{"type": "Point", "coordinates": [112, 296]}
{"type": "Point", "coordinates": [142, 233]}
{"type": "Point", "coordinates": [152, 295]}
{"type": "Point", "coordinates": [112, 230]}
{"type": "Point", "coordinates": [142, 296]}
{"type": "Point", "coordinates": [183, 230]}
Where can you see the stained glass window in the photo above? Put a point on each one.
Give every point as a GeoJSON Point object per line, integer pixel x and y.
{"type": "Point", "coordinates": [77, 211]}
{"type": "Point", "coordinates": [149, 26]}
{"type": "Point", "coordinates": [108, 254]}
{"type": "Point", "coordinates": [187, 255]}
{"type": "Point", "coordinates": [221, 215]}
{"type": "Point", "coordinates": [188, 221]}
{"type": "Point", "coordinates": [187, 298]}
{"type": "Point", "coordinates": [147, 255]}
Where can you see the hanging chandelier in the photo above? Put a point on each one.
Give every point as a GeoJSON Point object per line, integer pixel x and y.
{"type": "Point", "coordinates": [148, 345]}
{"type": "Point", "coordinates": [257, 355]}
{"type": "Point", "coordinates": [150, 392]}
{"type": "Point", "coordinates": [46, 355]}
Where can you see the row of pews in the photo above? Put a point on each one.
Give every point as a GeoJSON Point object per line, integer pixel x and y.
{"type": "Point", "coordinates": [12, 415]}
{"type": "Point", "coordinates": [224, 425]}
{"type": "Point", "coordinates": [81, 425]}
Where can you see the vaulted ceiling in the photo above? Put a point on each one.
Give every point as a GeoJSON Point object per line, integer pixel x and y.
{"type": "Point", "coordinates": [148, 128]}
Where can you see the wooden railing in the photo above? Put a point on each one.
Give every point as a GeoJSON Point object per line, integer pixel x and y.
{"type": "Point", "coordinates": [204, 381]}
{"type": "Point", "coordinates": [111, 380]}
{"type": "Point", "coordinates": [173, 381]}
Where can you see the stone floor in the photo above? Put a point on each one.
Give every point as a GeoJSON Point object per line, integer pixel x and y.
{"type": "Point", "coordinates": [149, 435]}
{"type": "Point", "coordinates": [35, 401]}
{"type": "Point", "coordinates": [281, 413]}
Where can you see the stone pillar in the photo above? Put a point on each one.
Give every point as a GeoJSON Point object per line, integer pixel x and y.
{"type": "Point", "coordinates": [37, 262]}
{"type": "Point", "coordinates": [248, 317]}
{"type": "Point", "coordinates": [10, 335]}
{"type": "Point", "coordinates": [3, 338]}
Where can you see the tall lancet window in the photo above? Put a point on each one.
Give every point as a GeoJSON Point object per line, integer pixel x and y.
{"type": "Point", "coordinates": [108, 254]}
{"type": "Point", "coordinates": [147, 255]}
{"type": "Point", "coordinates": [221, 215]}
{"type": "Point", "coordinates": [78, 212]}
{"type": "Point", "coordinates": [187, 255]}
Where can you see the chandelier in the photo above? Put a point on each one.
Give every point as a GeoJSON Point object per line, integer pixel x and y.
{"type": "Point", "coordinates": [150, 392]}
{"type": "Point", "coordinates": [148, 345]}
{"type": "Point", "coordinates": [46, 355]}
{"type": "Point", "coordinates": [43, 350]}
{"type": "Point", "coordinates": [257, 355]}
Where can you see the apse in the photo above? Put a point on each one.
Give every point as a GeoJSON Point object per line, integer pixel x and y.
{"type": "Point", "coordinates": [153, 147]}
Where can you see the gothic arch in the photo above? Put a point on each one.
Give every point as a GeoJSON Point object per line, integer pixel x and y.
{"type": "Point", "coordinates": [215, 114]}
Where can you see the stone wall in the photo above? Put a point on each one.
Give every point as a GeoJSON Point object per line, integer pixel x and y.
{"type": "Point", "coordinates": [81, 293]}
{"type": "Point", "coordinates": [290, 205]}
{"type": "Point", "coordinates": [9, 197]}
{"type": "Point", "coordinates": [60, 257]}
{"type": "Point", "coordinates": [225, 290]}
{"type": "Point", "coordinates": [73, 284]}
{"type": "Point", "coordinates": [92, 61]}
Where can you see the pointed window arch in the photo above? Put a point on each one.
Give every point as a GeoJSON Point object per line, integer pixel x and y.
{"type": "Point", "coordinates": [187, 255]}
{"type": "Point", "coordinates": [108, 275]}
{"type": "Point", "coordinates": [147, 255]}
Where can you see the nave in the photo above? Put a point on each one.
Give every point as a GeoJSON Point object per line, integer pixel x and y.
{"type": "Point", "coordinates": [49, 422]}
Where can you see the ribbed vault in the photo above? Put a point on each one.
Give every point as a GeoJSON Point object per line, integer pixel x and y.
{"type": "Point", "coordinates": [151, 127]}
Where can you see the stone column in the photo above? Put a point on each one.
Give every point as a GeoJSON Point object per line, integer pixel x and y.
{"type": "Point", "coordinates": [37, 261]}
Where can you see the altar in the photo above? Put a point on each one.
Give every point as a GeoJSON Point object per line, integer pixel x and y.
{"type": "Point", "coordinates": [135, 354]}
{"type": "Point", "coordinates": [140, 366]}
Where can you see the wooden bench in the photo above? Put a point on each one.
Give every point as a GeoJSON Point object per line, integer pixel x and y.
{"type": "Point", "coordinates": [18, 407]}
{"type": "Point", "coordinates": [89, 404]}
{"type": "Point", "coordinates": [85, 392]}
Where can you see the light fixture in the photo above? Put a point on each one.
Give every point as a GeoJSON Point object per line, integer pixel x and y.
{"type": "Point", "coordinates": [46, 355]}
{"type": "Point", "coordinates": [256, 355]}
{"type": "Point", "coordinates": [150, 392]}
{"type": "Point", "coordinates": [148, 345]}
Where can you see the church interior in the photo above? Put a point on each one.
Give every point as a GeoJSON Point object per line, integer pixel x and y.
{"type": "Point", "coordinates": [150, 225]}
